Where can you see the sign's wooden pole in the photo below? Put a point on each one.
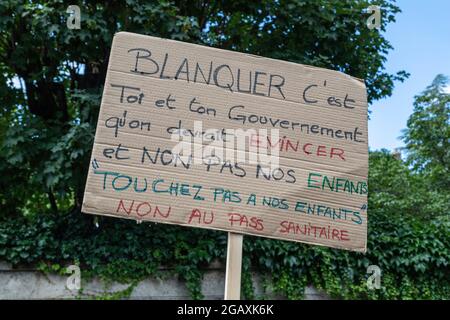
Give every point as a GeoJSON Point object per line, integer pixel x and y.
{"type": "Point", "coordinates": [234, 266]}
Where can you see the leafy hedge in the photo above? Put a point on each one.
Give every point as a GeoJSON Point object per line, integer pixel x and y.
{"type": "Point", "coordinates": [407, 239]}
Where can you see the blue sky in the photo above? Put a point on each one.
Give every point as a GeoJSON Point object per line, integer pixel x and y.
{"type": "Point", "coordinates": [421, 41]}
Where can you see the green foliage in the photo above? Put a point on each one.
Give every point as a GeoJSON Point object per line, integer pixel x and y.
{"type": "Point", "coordinates": [117, 295]}
{"type": "Point", "coordinates": [427, 136]}
{"type": "Point", "coordinates": [403, 192]}
{"type": "Point", "coordinates": [329, 34]}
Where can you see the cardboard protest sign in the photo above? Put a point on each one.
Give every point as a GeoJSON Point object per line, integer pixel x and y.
{"type": "Point", "coordinates": [210, 138]}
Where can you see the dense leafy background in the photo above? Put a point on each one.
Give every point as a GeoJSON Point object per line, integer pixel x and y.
{"type": "Point", "coordinates": [50, 86]}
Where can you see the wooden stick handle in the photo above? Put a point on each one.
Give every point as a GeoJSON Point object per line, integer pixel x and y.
{"type": "Point", "coordinates": [234, 266]}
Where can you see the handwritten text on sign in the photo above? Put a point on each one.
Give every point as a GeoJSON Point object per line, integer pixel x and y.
{"type": "Point", "coordinates": [278, 149]}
